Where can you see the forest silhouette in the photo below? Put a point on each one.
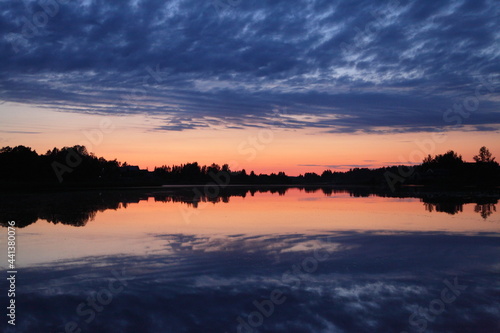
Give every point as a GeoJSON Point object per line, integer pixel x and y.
{"type": "Point", "coordinates": [23, 167]}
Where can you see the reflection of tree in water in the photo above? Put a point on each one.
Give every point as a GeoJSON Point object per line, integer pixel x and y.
{"type": "Point", "coordinates": [485, 210]}
{"type": "Point", "coordinates": [484, 206]}
{"type": "Point", "coordinates": [444, 207]}
{"type": "Point", "coordinates": [79, 207]}
{"type": "Point", "coordinates": [77, 219]}
{"type": "Point", "coordinates": [71, 208]}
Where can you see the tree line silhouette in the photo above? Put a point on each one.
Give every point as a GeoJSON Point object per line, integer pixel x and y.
{"type": "Point", "coordinates": [22, 166]}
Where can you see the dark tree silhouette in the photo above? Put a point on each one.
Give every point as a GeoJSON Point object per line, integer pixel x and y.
{"type": "Point", "coordinates": [77, 167]}
{"type": "Point", "coordinates": [484, 156]}
{"type": "Point", "coordinates": [446, 161]}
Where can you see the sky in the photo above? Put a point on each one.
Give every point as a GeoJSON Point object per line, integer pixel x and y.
{"type": "Point", "coordinates": [294, 86]}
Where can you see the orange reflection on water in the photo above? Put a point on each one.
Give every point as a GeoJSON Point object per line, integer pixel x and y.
{"type": "Point", "coordinates": [133, 230]}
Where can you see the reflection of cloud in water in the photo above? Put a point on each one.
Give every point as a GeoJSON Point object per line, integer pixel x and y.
{"type": "Point", "coordinates": [369, 283]}
{"type": "Point", "coordinates": [251, 244]}
{"type": "Point", "coordinates": [313, 245]}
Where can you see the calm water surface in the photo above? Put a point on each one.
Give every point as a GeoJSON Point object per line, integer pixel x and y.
{"type": "Point", "coordinates": [249, 260]}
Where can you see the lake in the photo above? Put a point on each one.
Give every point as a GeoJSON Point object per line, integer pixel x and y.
{"type": "Point", "coordinates": [254, 259]}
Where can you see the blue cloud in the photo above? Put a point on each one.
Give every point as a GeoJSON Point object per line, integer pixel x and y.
{"type": "Point", "coordinates": [355, 67]}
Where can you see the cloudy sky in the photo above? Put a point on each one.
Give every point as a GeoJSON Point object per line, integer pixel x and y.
{"type": "Point", "coordinates": [266, 85]}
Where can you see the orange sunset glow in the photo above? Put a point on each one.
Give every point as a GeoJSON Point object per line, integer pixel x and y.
{"type": "Point", "coordinates": [294, 151]}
